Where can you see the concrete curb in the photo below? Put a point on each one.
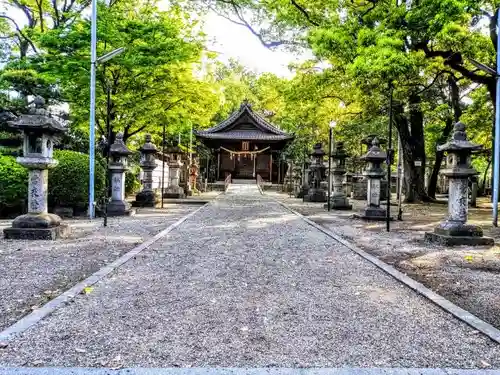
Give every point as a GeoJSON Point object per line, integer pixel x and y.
{"type": "Point", "coordinates": [472, 320]}
{"type": "Point", "coordinates": [36, 316]}
{"type": "Point", "coordinates": [241, 371]}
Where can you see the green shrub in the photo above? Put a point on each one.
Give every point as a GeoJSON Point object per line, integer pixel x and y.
{"type": "Point", "coordinates": [13, 185]}
{"type": "Point", "coordinates": [69, 181]}
{"type": "Point", "coordinates": [132, 183]}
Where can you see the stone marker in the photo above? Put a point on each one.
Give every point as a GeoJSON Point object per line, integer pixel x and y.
{"type": "Point", "coordinates": [338, 198]}
{"type": "Point", "coordinates": [39, 129]}
{"type": "Point", "coordinates": [455, 230]}
{"type": "Point", "coordinates": [174, 166]}
{"type": "Point", "coordinates": [117, 167]}
{"type": "Point", "coordinates": [317, 169]}
{"type": "Point", "coordinates": [374, 174]}
{"type": "Point", "coordinates": [147, 197]}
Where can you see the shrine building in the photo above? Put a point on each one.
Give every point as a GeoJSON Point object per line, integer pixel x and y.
{"type": "Point", "coordinates": [246, 145]}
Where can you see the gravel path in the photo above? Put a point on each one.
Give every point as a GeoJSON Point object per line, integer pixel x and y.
{"type": "Point", "coordinates": [33, 272]}
{"type": "Point", "coordinates": [245, 283]}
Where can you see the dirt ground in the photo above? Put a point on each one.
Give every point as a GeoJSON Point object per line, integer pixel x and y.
{"type": "Point", "coordinates": [467, 276]}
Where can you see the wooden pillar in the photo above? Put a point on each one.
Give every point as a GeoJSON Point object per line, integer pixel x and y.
{"type": "Point", "coordinates": [254, 162]}
{"type": "Point", "coordinates": [279, 170]}
{"type": "Point", "coordinates": [271, 167]}
{"type": "Point", "coordinates": [218, 165]}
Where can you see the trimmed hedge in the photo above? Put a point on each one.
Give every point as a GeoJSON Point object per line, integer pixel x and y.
{"type": "Point", "coordinates": [132, 183]}
{"type": "Point", "coordinates": [69, 181]}
{"type": "Point", "coordinates": [13, 186]}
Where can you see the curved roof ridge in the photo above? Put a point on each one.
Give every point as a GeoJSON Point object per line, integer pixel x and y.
{"type": "Point", "coordinates": [244, 107]}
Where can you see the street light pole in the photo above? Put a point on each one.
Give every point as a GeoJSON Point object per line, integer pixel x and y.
{"type": "Point", "coordinates": [163, 164]}
{"type": "Point", "coordinates": [93, 63]}
{"type": "Point", "coordinates": [496, 148]}
{"type": "Point", "coordinates": [389, 161]}
{"type": "Point", "coordinates": [330, 150]}
{"type": "Point", "coordinates": [108, 148]}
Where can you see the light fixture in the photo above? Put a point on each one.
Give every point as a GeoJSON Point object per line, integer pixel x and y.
{"type": "Point", "coordinates": [333, 124]}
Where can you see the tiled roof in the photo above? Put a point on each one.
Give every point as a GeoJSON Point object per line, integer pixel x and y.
{"type": "Point", "coordinates": [264, 130]}
{"type": "Point", "coordinates": [246, 135]}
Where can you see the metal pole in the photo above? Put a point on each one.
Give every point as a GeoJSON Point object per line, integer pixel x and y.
{"type": "Point", "coordinates": [304, 177]}
{"type": "Point", "coordinates": [389, 158]}
{"type": "Point", "coordinates": [93, 62]}
{"type": "Point", "coordinates": [163, 165]}
{"type": "Point", "coordinates": [330, 131]}
{"type": "Point", "coordinates": [400, 180]}
{"type": "Point", "coordinates": [496, 147]}
{"type": "Point", "coordinates": [108, 131]}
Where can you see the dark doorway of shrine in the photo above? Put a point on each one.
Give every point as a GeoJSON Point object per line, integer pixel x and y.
{"type": "Point", "coordinates": [244, 167]}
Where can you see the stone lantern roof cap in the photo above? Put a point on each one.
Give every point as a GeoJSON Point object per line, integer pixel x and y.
{"type": "Point", "coordinates": [375, 153]}
{"type": "Point", "coordinates": [119, 147]}
{"type": "Point", "coordinates": [459, 141]}
{"type": "Point", "coordinates": [174, 150]}
{"type": "Point", "coordinates": [368, 140]}
{"type": "Point", "coordinates": [148, 147]}
{"type": "Point", "coordinates": [38, 119]}
{"type": "Point", "coordinates": [317, 151]}
{"type": "Point", "coordinates": [340, 152]}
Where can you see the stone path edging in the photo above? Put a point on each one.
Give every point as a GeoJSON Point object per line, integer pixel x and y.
{"type": "Point", "coordinates": [472, 320]}
{"type": "Point", "coordinates": [243, 371]}
{"type": "Point", "coordinates": [36, 316]}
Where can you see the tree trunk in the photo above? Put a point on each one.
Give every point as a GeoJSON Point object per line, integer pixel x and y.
{"type": "Point", "coordinates": [411, 129]}
{"type": "Point", "coordinates": [457, 113]}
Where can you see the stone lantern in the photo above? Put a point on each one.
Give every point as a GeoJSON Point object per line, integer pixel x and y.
{"type": "Point", "coordinates": [117, 168]}
{"type": "Point", "coordinates": [147, 197]}
{"type": "Point", "coordinates": [305, 180]}
{"type": "Point", "coordinates": [39, 130]}
{"type": "Point", "coordinates": [455, 230]}
{"type": "Point", "coordinates": [297, 178]}
{"type": "Point", "coordinates": [175, 164]}
{"type": "Point", "coordinates": [338, 199]}
{"type": "Point", "coordinates": [316, 192]}
{"type": "Point", "coordinates": [374, 174]}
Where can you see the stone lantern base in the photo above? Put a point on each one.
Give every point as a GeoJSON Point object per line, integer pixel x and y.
{"type": "Point", "coordinates": [119, 208]}
{"type": "Point", "coordinates": [302, 191]}
{"type": "Point", "coordinates": [339, 203]}
{"type": "Point", "coordinates": [316, 195]}
{"type": "Point", "coordinates": [374, 214]}
{"type": "Point", "coordinates": [147, 198]}
{"type": "Point", "coordinates": [453, 233]}
{"type": "Point", "coordinates": [37, 227]}
{"type": "Point", "coordinates": [175, 192]}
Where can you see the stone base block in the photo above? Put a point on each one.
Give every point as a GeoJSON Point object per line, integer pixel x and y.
{"type": "Point", "coordinates": [119, 208]}
{"type": "Point", "coordinates": [316, 195]}
{"type": "Point", "coordinates": [339, 203]}
{"type": "Point", "coordinates": [445, 240]}
{"type": "Point", "coordinates": [174, 192]}
{"type": "Point", "coordinates": [60, 231]}
{"type": "Point", "coordinates": [373, 214]}
{"type": "Point", "coordinates": [456, 233]}
{"type": "Point", "coordinates": [145, 199]}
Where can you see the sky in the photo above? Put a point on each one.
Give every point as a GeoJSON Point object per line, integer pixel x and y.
{"type": "Point", "coordinates": [237, 42]}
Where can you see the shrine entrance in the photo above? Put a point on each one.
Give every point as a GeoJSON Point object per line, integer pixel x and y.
{"type": "Point", "coordinates": [246, 145]}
